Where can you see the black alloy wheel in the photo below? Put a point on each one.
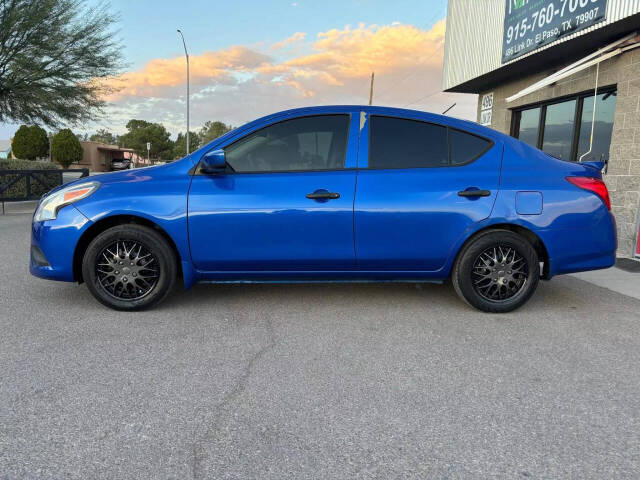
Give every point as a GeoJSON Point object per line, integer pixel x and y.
{"type": "Point", "coordinates": [129, 267]}
{"type": "Point", "coordinates": [497, 271]}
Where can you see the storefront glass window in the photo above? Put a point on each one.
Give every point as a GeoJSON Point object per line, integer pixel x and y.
{"type": "Point", "coordinates": [561, 135]}
{"type": "Point", "coordinates": [558, 129]}
{"type": "Point", "coordinates": [605, 108]}
{"type": "Point", "coordinates": [530, 126]}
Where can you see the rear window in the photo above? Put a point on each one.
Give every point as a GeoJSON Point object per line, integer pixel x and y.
{"type": "Point", "coordinates": [402, 143]}
{"type": "Point", "coordinates": [464, 147]}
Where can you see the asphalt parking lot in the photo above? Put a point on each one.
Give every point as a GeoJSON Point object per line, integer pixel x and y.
{"type": "Point", "coordinates": [318, 382]}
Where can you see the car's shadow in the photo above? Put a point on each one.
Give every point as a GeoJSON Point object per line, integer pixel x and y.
{"type": "Point", "coordinates": [562, 294]}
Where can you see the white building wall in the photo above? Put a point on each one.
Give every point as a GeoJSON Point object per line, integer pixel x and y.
{"type": "Point", "coordinates": [474, 33]}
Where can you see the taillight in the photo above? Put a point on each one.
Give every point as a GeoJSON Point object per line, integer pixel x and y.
{"type": "Point", "coordinates": [594, 185]}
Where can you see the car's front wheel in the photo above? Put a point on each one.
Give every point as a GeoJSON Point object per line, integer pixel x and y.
{"type": "Point", "coordinates": [497, 271]}
{"type": "Point", "coordinates": [129, 267]}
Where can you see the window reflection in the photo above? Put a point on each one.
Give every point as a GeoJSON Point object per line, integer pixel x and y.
{"type": "Point", "coordinates": [529, 126]}
{"type": "Point", "coordinates": [558, 129]}
{"type": "Point", "coordinates": [605, 108]}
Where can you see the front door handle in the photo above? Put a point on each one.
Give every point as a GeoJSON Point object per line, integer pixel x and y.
{"type": "Point", "coordinates": [323, 195]}
{"type": "Point", "coordinates": [474, 193]}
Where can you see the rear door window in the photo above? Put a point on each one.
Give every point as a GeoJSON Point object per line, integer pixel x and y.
{"type": "Point", "coordinates": [402, 143]}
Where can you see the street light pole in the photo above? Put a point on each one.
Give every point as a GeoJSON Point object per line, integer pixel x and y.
{"type": "Point", "coordinates": [186, 55]}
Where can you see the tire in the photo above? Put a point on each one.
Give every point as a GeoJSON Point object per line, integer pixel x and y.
{"type": "Point", "coordinates": [479, 278]}
{"type": "Point", "coordinates": [129, 267]}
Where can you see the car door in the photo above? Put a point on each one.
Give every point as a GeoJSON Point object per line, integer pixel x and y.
{"type": "Point", "coordinates": [285, 203]}
{"type": "Point", "coordinates": [420, 186]}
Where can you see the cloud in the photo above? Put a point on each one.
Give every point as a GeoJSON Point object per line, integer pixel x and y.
{"type": "Point", "coordinates": [287, 42]}
{"type": "Point", "coordinates": [159, 75]}
{"type": "Point", "coordinates": [340, 56]}
{"type": "Point", "coordinates": [240, 83]}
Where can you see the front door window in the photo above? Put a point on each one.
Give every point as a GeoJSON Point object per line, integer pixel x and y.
{"type": "Point", "coordinates": [302, 144]}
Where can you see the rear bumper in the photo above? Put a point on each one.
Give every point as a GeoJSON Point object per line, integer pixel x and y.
{"type": "Point", "coordinates": [53, 244]}
{"type": "Point", "coordinates": [579, 250]}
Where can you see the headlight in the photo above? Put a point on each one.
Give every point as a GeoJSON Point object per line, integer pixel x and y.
{"type": "Point", "coordinates": [49, 205]}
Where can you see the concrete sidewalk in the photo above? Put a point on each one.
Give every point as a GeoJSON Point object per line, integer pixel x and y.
{"type": "Point", "coordinates": [615, 279]}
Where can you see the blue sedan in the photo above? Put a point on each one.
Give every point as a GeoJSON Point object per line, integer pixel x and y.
{"type": "Point", "coordinates": [333, 194]}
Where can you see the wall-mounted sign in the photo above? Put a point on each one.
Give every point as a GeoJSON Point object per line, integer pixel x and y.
{"type": "Point", "coordinates": [485, 117]}
{"type": "Point", "coordinates": [487, 101]}
{"type": "Point", "coordinates": [530, 24]}
{"type": "Point", "coordinates": [486, 109]}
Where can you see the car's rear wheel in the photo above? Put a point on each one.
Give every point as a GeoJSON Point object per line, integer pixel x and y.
{"type": "Point", "coordinates": [497, 271]}
{"type": "Point", "coordinates": [129, 267]}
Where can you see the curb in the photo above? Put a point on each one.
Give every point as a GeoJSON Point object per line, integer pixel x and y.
{"type": "Point", "coordinates": [20, 207]}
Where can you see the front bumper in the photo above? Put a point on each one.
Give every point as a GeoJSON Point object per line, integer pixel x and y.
{"type": "Point", "coordinates": [54, 243]}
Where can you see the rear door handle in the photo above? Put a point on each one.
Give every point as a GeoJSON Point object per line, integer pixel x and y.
{"type": "Point", "coordinates": [323, 195]}
{"type": "Point", "coordinates": [474, 193]}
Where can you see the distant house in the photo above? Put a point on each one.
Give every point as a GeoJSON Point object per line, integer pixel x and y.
{"type": "Point", "coordinates": [5, 149]}
{"type": "Point", "coordinates": [97, 156]}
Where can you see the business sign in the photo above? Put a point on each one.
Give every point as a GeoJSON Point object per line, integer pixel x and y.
{"type": "Point", "coordinates": [530, 24]}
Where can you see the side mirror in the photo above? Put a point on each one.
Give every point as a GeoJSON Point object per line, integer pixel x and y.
{"type": "Point", "coordinates": [213, 162]}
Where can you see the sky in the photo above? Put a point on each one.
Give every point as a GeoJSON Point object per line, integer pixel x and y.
{"type": "Point", "coordinates": [252, 58]}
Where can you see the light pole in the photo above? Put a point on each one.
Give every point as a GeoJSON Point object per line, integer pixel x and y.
{"type": "Point", "coordinates": [186, 55]}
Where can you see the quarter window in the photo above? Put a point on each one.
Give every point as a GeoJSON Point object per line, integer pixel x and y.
{"type": "Point", "coordinates": [464, 147]}
{"type": "Point", "coordinates": [301, 144]}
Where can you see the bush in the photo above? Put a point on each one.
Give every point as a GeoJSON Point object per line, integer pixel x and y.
{"type": "Point", "coordinates": [41, 184]}
{"type": "Point", "coordinates": [30, 143]}
{"type": "Point", "coordinates": [66, 148]}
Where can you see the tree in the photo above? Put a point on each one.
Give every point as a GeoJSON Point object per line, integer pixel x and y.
{"type": "Point", "coordinates": [212, 130]}
{"type": "Point", "coordinates": [180, 145]}
{"type": "Point", "coordinates": [104, 136]}
{"type": "Point", "coordinates": [30, 143]}
{"type": "Point", "coordinates": [66, 148]}
{"type": "Point", "coordinates": [53, 54]}
{"type": "Point", "coordinates": [140, 132]}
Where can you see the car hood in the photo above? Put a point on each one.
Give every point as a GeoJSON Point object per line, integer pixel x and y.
{"type": "Point", "coordinates": [123, 176]}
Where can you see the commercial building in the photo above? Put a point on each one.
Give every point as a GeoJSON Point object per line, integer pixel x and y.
{"type": "Point", "coordinates": [97, 156]}
{"type": "Point", "coordinates": [536, 65]}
